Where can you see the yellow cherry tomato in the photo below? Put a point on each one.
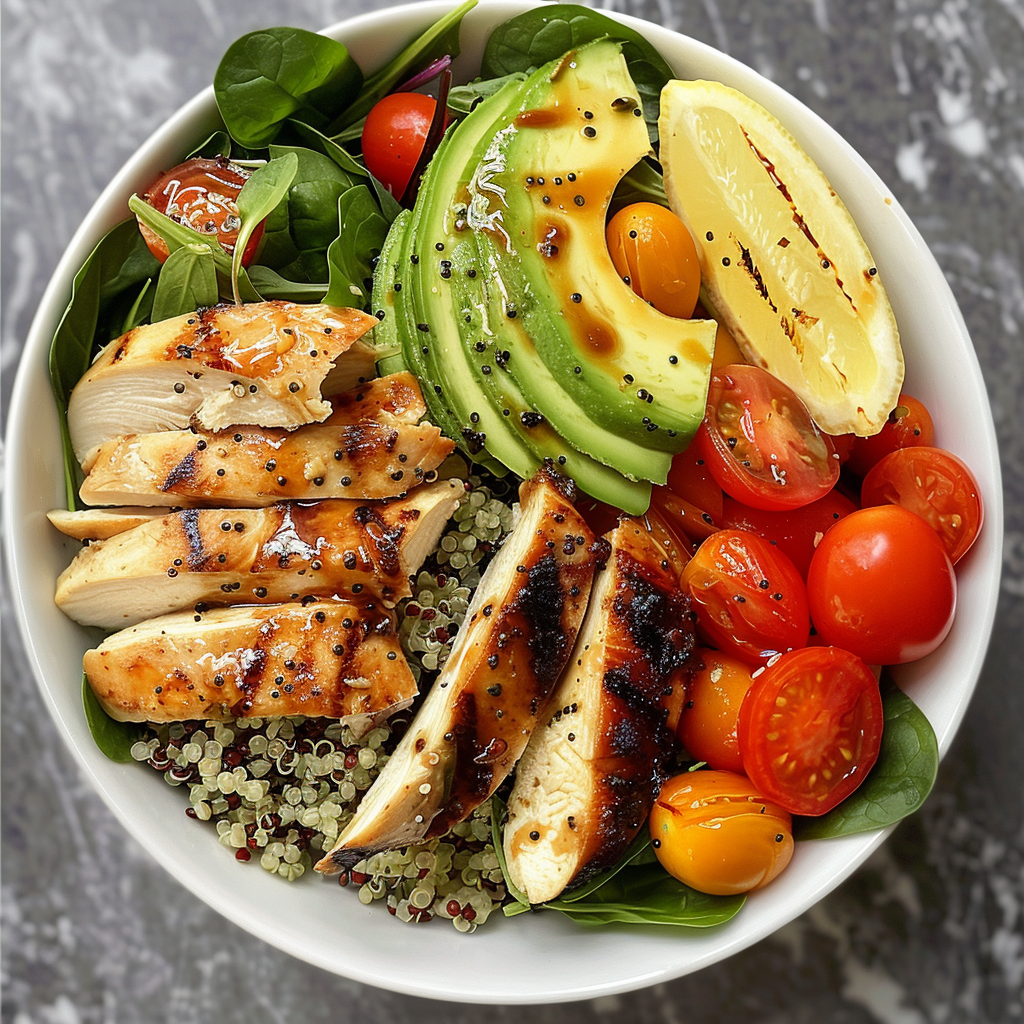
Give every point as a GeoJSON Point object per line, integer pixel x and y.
{"type": "Point", "coordinates": [713, 832]}
{"type": "Point", "coordinates": [711, 713]}
{"type": "Point", "coordinates": [653, 252]}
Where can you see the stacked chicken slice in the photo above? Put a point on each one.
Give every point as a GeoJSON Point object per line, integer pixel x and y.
{"type": "Point", "coordinates": [301, 507]}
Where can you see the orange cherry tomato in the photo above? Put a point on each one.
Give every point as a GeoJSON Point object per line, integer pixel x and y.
{"type": "Point", "coordinates": [394, 135]}
{"type": "Point", "coordinates": [201, 194]}
{"type": "Point", "coordinates": [654, 254]}
{"type": "Point", "coordinates": [715, 833]}
{"type": "Point", "coordinates": [714, 695]}
{"type": "Point", "coordinates": [810, 728]}
{"type": "Point", "coordinates": [749, 598]}
{"type": "Point", "coordinates": [934, 484]}
{"type": "Point", "coordinates": [908, 426]}
{"type": "Point", "coordinates": [882, 586]}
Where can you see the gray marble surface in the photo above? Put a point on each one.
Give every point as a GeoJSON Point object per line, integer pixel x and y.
{"type": "Point", "coordinates": [931, 929]}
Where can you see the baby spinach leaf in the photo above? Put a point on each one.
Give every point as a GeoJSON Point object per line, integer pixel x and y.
{"type": "Point", "coordinates": [140, 309]}
{"type": "Point", "coordinates": [463, 98]}
{"type": "Point", "coordinates": [218, 144]}
{"type": "Point", "coordinates": [441, 39]}
{"type": "Point", "coordinates": [187, 281]}
{"type": "Point", "coordinates": [262, 192]}
{"type": "Point", "coordinates": [115, 739]}
{"type": "Point", "coordinates": [278, 73]}
{"type": "Point", "coordinates": [531, 39]}
{"type": "Point", "coordinates": [390, 207]}
{"type": "Point", "coordinates": [641, 184]}
{"type": "Point", "coordinates": [176, 235]}
{"type": "Point", "coordinates": [330, 148]}
{"type": "Point", "coordinates": [306, 222]}
{"type": "Point", "coordinates": [272, 285]}
{"type": "Point", "coordinates": [648, 894]}
{"type": "Point", "coordinates": [497, 822]}
{"type": "Point", "coordinates": [634, 853]}
{"type": "Point", "coordinates": [901, 779]}
{"type": "Point", "coordinates": [362, 229]}
{"type": "Point", "coordinates": [120, 262]}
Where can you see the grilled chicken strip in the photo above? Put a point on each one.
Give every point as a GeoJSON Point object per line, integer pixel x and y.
{"type": "Point", "coordinates": [589, 775]}
{"type": "Point", "coordinates": [332, 658]}
{"type": "Point", "coordinates": [262, 363]}
{"type": "Point", "coordinates": [100, 523]}
{"type": "Point", "coordinates": [256, 556]}
{"type": "Point", "coordinates": [494, 688]}
{"type": "Point", "coordinates": [393, 399]}
{"type": "Point", "coordinates": [246, 467]}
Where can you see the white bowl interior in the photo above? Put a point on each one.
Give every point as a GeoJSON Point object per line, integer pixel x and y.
{"type": "Point", "coordinates": [540, 957]}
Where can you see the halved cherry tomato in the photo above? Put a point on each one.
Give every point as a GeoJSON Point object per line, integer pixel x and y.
{"type": "Point", "coordinates": [908, 426]}
{"type": "Point", "coordinates": [796, 532]}
{"type": "Point", "coordinates": [393, 136]}
{"type": "Point", "coordinates": [691, 480]}
{"type": "Point", "coordinates": [201, 194]}
{"type": "Point", "coordinates": [811, 728]}
{"type": "Point", "coordinates": [714, 695]}
{"type": "Point", "coordinates": [882, 586]}
{"type": "Point", "coordinates": [715, 833]}
{"type": "Point", "coordinates": [934, 484]}
{"type": "Point", "coordinates": [749, 597]}
{"type": "Point", "coordinates": [654, 254]}
{"type": "Point", "coordinates": [760, 442]}
{"type": "Point", "coordinates": [685, 520]}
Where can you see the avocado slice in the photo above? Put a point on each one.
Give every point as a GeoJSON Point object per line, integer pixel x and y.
{"type": "Point", "coordinates": [578, 130]}
{"type": "Point", "coordinates": [449, 325]}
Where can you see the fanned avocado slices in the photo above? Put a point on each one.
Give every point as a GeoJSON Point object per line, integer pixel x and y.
{"type": "Point", "coordinates": [500, 292]}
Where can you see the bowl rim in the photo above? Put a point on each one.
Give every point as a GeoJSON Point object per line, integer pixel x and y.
{"type": "Point", "coordinates": [109, 208]}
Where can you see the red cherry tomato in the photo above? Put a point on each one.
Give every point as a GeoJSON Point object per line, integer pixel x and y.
{"type": "Point", "coordinates": [810, 728]}
{"type": "Point", "coordinates": [760, 442]}
{"type": "Point", "coordinates": [393, 136]}
{"type": "Point", "coordinates": [908, 426]}
{"type": "Point", "coordinates": [882, 586]}
{"type": "Point", "coordinates": [934, 484]}
{"type": "Point", "coordinates": [653, 252]}
{"type": "Point", "coordinates": [714, 695]}
{"type": "Point", "coordinates": [796, 532]}
{"type": "Point", "coordinates": [201, 194]}
{"type": "Point", "coordinates": [690, 479]}
{"type": "Point", "coordinates": [749, 598]}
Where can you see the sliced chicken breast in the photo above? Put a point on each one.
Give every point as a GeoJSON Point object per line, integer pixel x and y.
{"type": "Point", "coordinates": [246, 467]}
{"type": "Point", "coordinates": [590, 773]}
{"type": "Point", "coordinates": [326, 658]}
{"type": "Point", "coordinates": [262, 363]}
{"type": "Point", "coordinates": [100, 523]}
{"type": "Point", "coordinates": [494, 688]}
{"type": "Point", "coordinates": [396, 398]}
{"type": "Point", "coordinates": [256, 556]}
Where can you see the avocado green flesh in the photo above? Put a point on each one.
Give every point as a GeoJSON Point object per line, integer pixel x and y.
{"type": "Point", "coordinates": [531, 375]}
{"type": "Point", "coordinates": [643, 375]}
{"type": "Point", "coordinates": [462, 318]}
{"type": "Point", "coordinates": [386, 338]}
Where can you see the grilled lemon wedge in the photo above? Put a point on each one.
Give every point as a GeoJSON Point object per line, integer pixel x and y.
{"type": "Point", "coordinates": [783, 265]}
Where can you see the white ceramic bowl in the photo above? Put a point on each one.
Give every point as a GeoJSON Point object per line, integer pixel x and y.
{"type": "Point", "coordinates": [541, 957]}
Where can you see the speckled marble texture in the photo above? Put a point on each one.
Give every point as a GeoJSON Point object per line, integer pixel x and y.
{"type": "Point", "coordinates": [931, 929]}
